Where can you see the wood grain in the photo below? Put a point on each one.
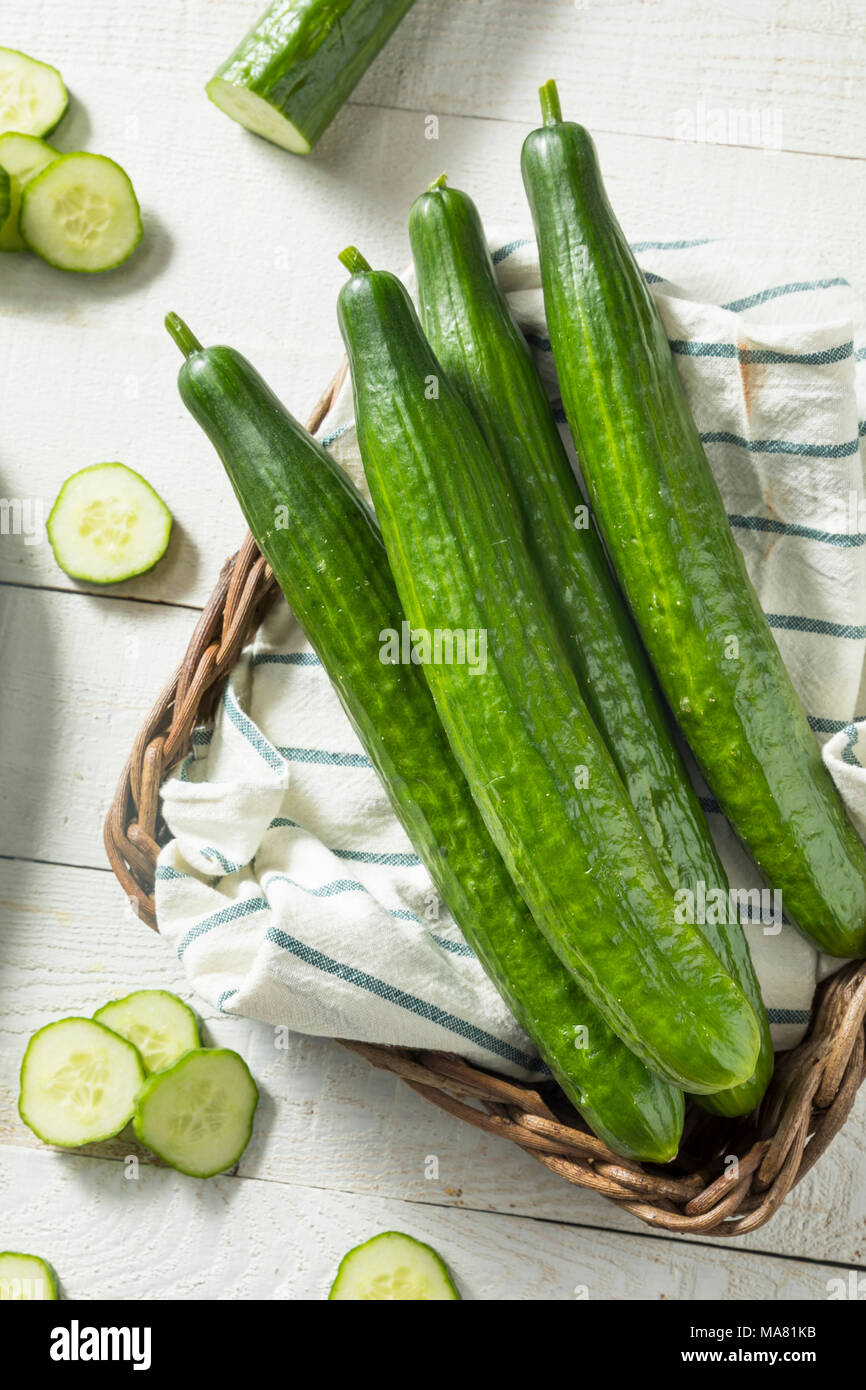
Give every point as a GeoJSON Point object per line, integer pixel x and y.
{"type": "Point", "coordinates": [327, 1119]}
{"type": "Point", "coordinates": [159, 1235]}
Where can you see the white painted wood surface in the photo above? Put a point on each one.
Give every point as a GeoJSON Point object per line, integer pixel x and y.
{"type": "Point", "coordinates": [242, 239]}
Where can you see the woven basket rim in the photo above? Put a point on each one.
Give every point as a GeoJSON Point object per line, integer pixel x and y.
{"type": "Point", "coordinates": [813, 1087]}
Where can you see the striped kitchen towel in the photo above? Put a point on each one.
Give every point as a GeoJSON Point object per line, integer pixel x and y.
{"type": "Point", "coordinates": [289, 890]}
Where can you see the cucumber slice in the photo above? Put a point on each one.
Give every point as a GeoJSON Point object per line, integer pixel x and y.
{"type": "Point", "coordinates": [159, 1024]}
{"type": "Point", "coordinates": [81, 213]}
{"type": "Point", "coordinates": [5, 198]}
{"type": "Point", "coordinates": [257, 114]}
{"type": "Point", "coordinates": [32, 95]}
{"type": "Point", "coordinates": [198, 1114]}
{"type": "Point", "coordinates": [393, 1266]}
{"type": "Point", "coordinates": [25, 1278]}
{"type": "Point", "coordinates": [23, 157]}
{"type": "Point", "coordinates": [108, 524]}
{"type": "Point", "coordinates": [78, 1083]}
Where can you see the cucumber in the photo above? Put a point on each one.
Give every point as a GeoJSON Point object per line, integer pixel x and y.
{"type": "Point", "coordinates": [81, 214]}
{"type": "Point", "coordinates": [5, 198]}
{"type": "Point", "coordinates": [23, 157]}
{"type": "Point", "coordinates": [108, 525]}
{"type": "Point", "coordinates": [289, 76]}
{"type": "Point", "coordinates": [159, 1024]}
{"type": "Point", "coordinates": [486, 357]}
{"type": "Point", "coordinates": [78, 1083]}
{"type": "Point", "coordinates": [665, 529]}
{"type": "Point", "coordinates": [543, 780]}
{"type": "Point", "coordinates": [197, 1115]}
{"type": "Point", "coordinates": [33, 98]}
{"type": "Point", "coordinates": [393, 1266]}
{"type": "Point", "coordinates": [331, 565]}
{"type": "Point", "coordinates": [25, 1278]}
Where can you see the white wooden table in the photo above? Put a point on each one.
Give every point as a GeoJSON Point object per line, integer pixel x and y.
{"type": "Point", "coordinates": [241, 239]}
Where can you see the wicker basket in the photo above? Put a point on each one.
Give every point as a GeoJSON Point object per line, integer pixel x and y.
{"type": "Point", "coordinates": [813, 1087]}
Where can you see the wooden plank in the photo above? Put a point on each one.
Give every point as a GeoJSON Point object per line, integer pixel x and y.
{"type": "Point", "coordinates": [79, 675]}
{"type": "Point", "coordinates": [777, 73]}
{"type": "Point", "coordinates": [628, 66]}
{"type": "Point", "coordinates": [158, 1235]}
{"type": "Point", "coordinates": [69, 942]}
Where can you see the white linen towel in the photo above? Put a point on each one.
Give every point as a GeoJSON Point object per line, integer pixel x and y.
{"type": "Point", "coordinates": [289, 890]}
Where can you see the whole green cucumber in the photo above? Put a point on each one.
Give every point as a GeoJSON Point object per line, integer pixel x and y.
{"type": "Point", "coordinates": [289, 76]}
{"type": "Point", "coordinates": [539, 771]}
{"type": "Point", "coordinates": [666, 531]}
{"type": "Point", "coordinates": [486, 357]}
{"type": "Point", "coordinates": [331, 565]}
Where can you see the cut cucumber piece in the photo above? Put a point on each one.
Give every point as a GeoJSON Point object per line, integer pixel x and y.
{"type": "Point", "coordinates": [198, 1114]}
{"type": "Point", "coordinates": [5, 198]}
{"type": "Point", "coordinates": [291, 73]}
{"type": "Point", "coordinates": [81, 213]}
{"type": "Point", "coordinates": [159, 1024]}
{"type": "Point", "coordinates": [32, 95]}
{"type": "Point", "coordinates": [23, 157]}
{"type": "Point", "coordinates": [78, 1083]}
{"type": "Point", "coordinates": [108, 524]}
{"type": "Point", "coordinates": [393, 1266]}
{"type": "Point", "coordinates": [25, 1278]}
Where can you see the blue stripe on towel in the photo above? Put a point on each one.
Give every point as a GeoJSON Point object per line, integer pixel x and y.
{"type": "Point", "coordinates": [248, 730]}
{"type": "Point", "coordinates": [244, 907]}
{"type": "Point", "coordinates": [333, 889]}
{"type": "Point", "coordinates": [328, 439]}
{"type": "Point", "coordinates": [393, 858]}
{"type": "Point", "coordinates": [791, 622]}
{"type": "Point", "coordinates": [638, 246]}
{"type": "Point", "coordinates": [852, 734]}
{"type": "Point", "coordinates": [286, 659]}
{"type": "Point", "coordinates": [789, 1015]}
{"type": "Point", "coordinates": [324, 757]}
{"type": "Point", "coordinates": [228, 866]}
{"type": "Point", "coordinates": [688, 347]}
{"type": "Point", "coordinates": [783, 446]}
{"type": "Point", "coordinates": [750, 301]}
{"type": "Point", "coordinates": [422, 1008]}
{"type": "Point", "coordinates": [819, 725]}
{"type": "Point", "coordinates": [843, 539]}
{"type": "Point", "coordinates": [365, 856]}
{"type": "Point", "coordinates": [503, 252]}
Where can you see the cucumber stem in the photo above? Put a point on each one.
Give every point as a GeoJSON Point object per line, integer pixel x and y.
{"type": "Point", "coordinates": [354, 262]}
{"type": "Point", "coordinates": [551, 110]}
{"type": "Point", "coordinates": [183, 336]}
{"type": "Point", "coordinates": [441, 182]}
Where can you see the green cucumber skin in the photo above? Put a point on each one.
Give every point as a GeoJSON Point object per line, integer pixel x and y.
{"type": "Point", "coordinates": [5, 196]}
{"type": "Point", "coordinates": [304, 57]}
{"type": "Point", "coordinates": [330, 561]}
{"type": "Point", "coordinates": [521, 730]}
{"type": "Point", "coordinates": [486, 357]}
{"type": "Point", "coordinates": [664, 525]}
